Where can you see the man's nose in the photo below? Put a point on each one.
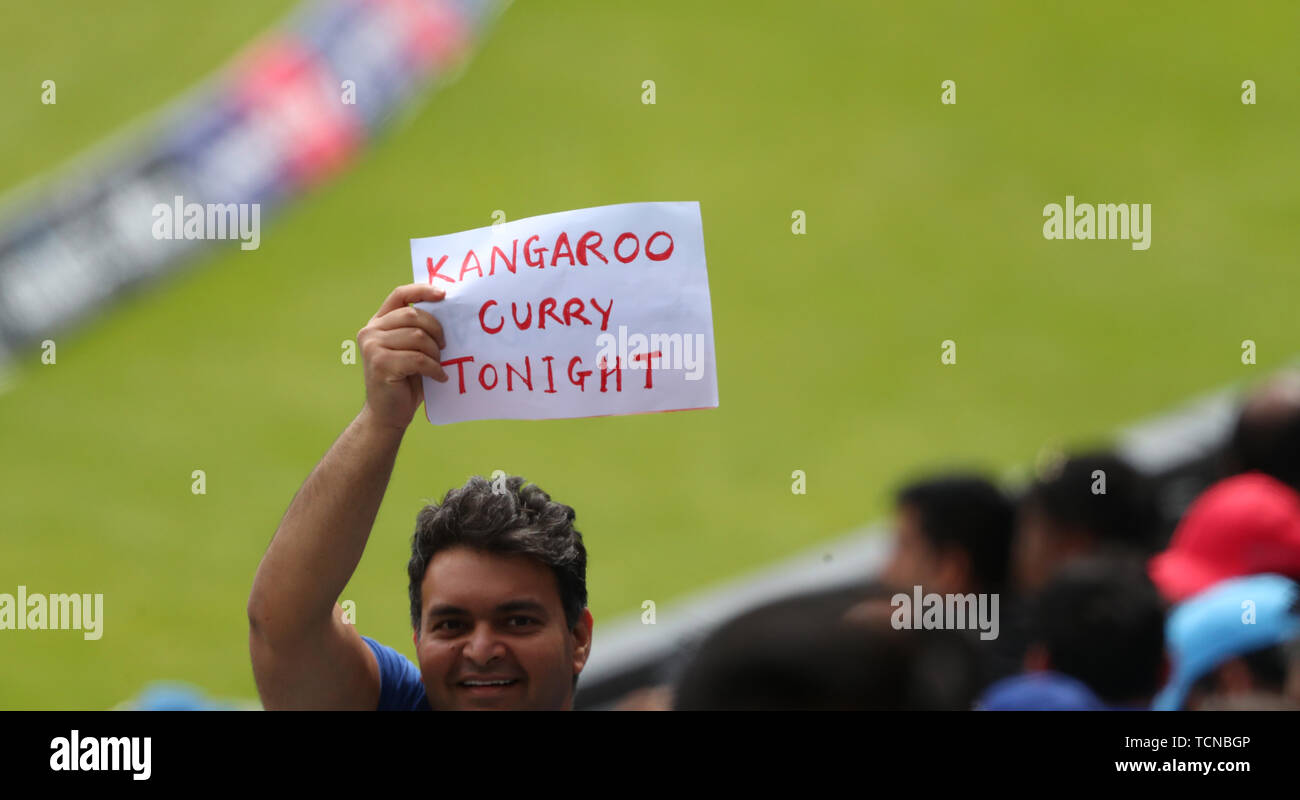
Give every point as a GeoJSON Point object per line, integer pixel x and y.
{"type": "Point", "coordinates": [483, 646]}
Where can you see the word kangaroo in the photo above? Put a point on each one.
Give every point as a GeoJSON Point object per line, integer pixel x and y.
{"type": "Point", "coordinates": [1106, 221]}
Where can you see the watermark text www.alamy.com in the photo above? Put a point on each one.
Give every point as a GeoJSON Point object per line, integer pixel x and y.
{"type": "Point", "coordinates": [654, 351]}
{"type": "Point", "coordinates": [181, 220]}
{"type": "Point", "coordinates": [53, 612]}
{"type": "Point", "coordinates": [932, 611]}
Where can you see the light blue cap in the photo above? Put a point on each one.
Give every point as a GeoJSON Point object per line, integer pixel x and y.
{"type": "Point", "coordinates": [1230, 619]}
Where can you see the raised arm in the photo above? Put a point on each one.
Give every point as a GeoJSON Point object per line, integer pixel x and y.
{"type": "Point", "coordinates": [304, 655]}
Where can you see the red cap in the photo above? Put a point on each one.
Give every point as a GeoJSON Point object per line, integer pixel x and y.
{"type": "Point", "coordinates": [1244, 525]}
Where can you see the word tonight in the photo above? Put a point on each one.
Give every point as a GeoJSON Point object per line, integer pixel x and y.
{"type": "Point", "coordinates": [1106, 221]}
{"type": "Point", "coordinates": [38, 612]}
{"type": "Point", "coordinates": [182, 220]}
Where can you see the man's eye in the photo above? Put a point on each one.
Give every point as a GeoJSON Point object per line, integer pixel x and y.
{"type": "Point", "coordinates": [448, 625]}
{"type": "Point", "coordinates": [520, 622]}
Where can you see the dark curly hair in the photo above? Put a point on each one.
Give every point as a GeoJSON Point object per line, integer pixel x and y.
{"type": "Point", "coordinates": [521, 519]}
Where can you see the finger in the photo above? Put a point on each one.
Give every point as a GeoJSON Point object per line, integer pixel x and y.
{"type": "Point", "coordinates": [401, 364]}
{"type": "Point", "coordinates": [415, 339]}
{"type": "Point", "coordinates": [410, 293]}
{"type": "Point", "coordinates": [411, 317]}
{"type": "Point", "coordinates": [417, 386]}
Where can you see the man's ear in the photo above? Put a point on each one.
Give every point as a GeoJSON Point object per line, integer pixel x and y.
{"type": "Point", "coordinates": [582, 640]}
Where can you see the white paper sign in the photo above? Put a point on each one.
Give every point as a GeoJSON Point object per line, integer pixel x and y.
{"type": "Point", "coordinates": [583, 313]}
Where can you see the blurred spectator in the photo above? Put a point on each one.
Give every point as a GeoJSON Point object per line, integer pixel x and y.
{"type": "Point", "coordinates": [1099, 622]}
{"type": "Point", "coordinates": [1292, 688]}
{"type": "Point", "coordinates": [1230, 645]}
{"type": "Point", "coordinates": [1244, 525]}
{"type": "Point", "coordinates": [1040, 691]}
{"type": "Point", "coordinates": [178, 696]}
{"type": "Point", "coordinates": [649, 698]}
{"type": "Point", "coordinates": [1267, 435]}
{"type": "Point", "coordinates": [953, 536]}
{"type": "Point", "coordinates": [802, 653]}
{"type": "Point", "coordinates": [1093, 505]}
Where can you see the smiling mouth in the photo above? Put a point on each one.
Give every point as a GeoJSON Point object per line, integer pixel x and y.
{"type": "Point", "coordinates": [499, 683]}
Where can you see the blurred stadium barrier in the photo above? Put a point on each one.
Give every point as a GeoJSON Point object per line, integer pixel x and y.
{"type": "Point", "coordinates": [274, 122]}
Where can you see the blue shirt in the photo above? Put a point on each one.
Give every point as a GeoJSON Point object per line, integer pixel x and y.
{"type": "Point", "coordinates": [1044, 691]}
{"type": "Point", "coordinates": [400, 687]}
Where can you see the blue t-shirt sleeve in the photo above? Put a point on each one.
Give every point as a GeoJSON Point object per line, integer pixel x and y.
{"type": "Point", "coordinates": [400, 687]}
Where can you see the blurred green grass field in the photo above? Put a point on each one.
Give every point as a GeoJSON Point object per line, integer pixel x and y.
{"type": "Point", "coordinates": [923, 224]}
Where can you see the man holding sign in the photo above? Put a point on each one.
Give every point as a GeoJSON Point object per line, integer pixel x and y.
{"type": "Point", "coordinates": [497, 572]}
{"type": "Point", "coordinates": [497, 575]}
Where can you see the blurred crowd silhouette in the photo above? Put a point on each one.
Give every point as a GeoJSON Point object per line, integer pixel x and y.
{"type": "Point", "coordinates": [1099, 604]}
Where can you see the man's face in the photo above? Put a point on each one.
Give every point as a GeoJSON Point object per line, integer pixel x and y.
{"type": "Point", "coordinates": [493, 634]}
{"type": "Point", "coordinates": [914, 561]}
{"type": "Point", "coordinates": [1041, 548]}
{"type": "Point", "coordinates": [1032, 555]}
{"type": "Point", "coordinates": [912, 557]}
